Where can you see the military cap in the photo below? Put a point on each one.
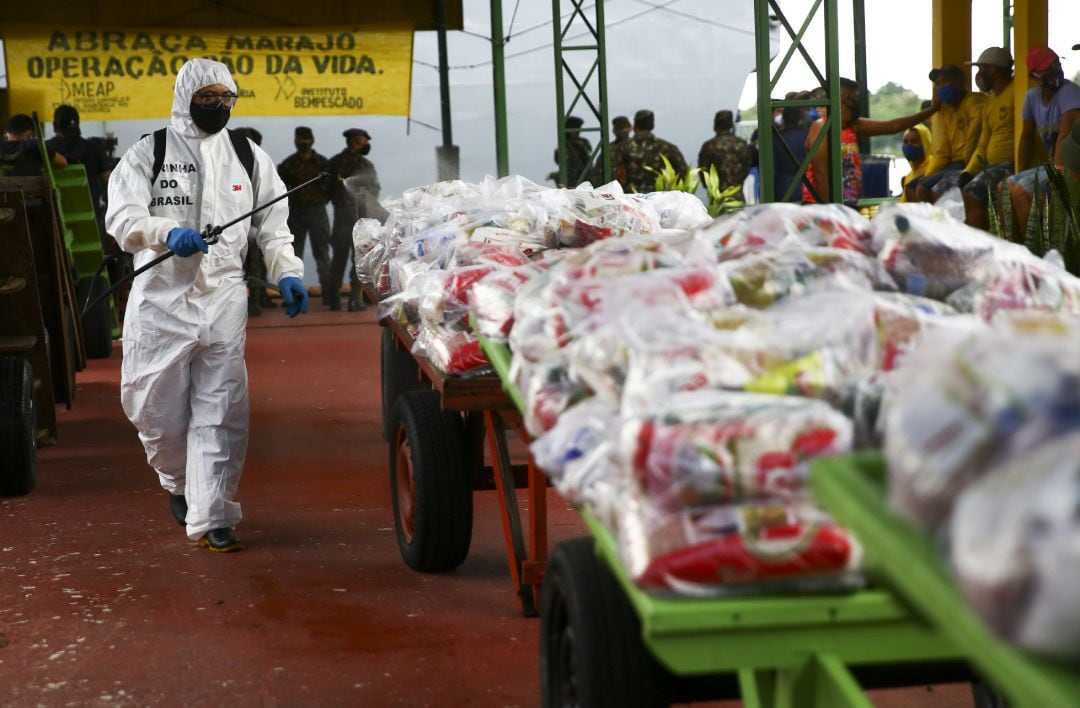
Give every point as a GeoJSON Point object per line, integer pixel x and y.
{"type": "Point", "coordinates": [574, 122]}
{"type": "Point", "coordinates": [65, 116]}
{"type": "Point", "coordinates": [302, 131]}
{"type": "Point", "coordinates": [644, 120]}
{"type": "Point", "coordinates": [356, 132]}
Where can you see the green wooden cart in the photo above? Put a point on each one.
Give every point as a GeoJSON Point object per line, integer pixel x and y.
{"type": "Point", "coordinates": [605, 642]}
{"type": "Point", "coordinates": [852, 488]}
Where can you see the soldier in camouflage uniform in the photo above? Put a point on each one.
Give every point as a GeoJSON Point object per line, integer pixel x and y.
{"type": "Point", "coordinates": [578, 155]}
{"type": "Point", "coordinates": [307, 208]}
{"type": "Point", "coordinates": [620, 125]}
{"type": "Point", "coordinates": [644, 151]}
{"type": "Point", "coordinates": [729, 153]}
{"type": "Point", "coordinates": [350, 162]}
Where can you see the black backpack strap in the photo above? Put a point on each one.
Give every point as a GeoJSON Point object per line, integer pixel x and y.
{"type": "Point", "coordinates": [159, 154]}
{"type": "Point", "coordinates": [244, 152]}
{"type": "Point", "coordinates": [240, 145]}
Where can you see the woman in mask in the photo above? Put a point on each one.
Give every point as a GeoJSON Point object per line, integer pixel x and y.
{"type": "Point", "coordinates": [183, 379]}
{"type": "Point", "coordinates": [852, 127]}
{"type": "Point", "coordinates": [914, 147]}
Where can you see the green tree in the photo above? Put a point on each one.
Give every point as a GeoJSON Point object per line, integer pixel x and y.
{"type": "Point", "coordinates": [891, 101]}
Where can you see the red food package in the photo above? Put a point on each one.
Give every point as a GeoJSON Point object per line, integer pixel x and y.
{"type": "Point", "coordinates": [740, 544]}
{"type": "Point", "coordinates": [460, 282]}
{"type": "Point", "coordinates": [451, 351]}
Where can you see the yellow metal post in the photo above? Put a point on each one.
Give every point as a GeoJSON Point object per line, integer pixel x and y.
{"type": "Point", "coordinates": [1030, 23]}
{"type": "Point", "coordinates": [952, 33]}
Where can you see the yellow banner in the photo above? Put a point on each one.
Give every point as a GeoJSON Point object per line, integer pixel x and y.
{"type": "Point", "coordinates": [129, 73]}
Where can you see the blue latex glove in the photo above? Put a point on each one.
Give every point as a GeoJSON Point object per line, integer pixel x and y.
{"type": "Point", "coordinates": [295, 294]}
{"type": "Point", "coordinates": [186, 242]}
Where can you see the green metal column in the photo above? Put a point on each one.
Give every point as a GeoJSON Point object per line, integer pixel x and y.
{"type": "Point", "coordinates": [592, 89]}
{"type": "Point", "coordinates": [859, 16]}
{"type": "Point", "coordinates": [1006, 24]}
{"type": "Point", "coordinates": [447, 157]}
{"type": "Point", "coordinates": [764, 12]}
{"type": "Point", "coordinates": [498, 61]}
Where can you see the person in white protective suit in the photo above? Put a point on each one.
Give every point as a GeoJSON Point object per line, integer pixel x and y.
{"type": "Point", "coordinates": [183, 381]}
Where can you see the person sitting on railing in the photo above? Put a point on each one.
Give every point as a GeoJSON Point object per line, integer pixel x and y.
{"type": "Point", "coordinates": [914, 148]}
{"type": "Point", "coordinates": [1050, 109]}
{"type": "Point", "coordinates": [992, 161]}
{"type": "Point", "coordinates": [956, 130]}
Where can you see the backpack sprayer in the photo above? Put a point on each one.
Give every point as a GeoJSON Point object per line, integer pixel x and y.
{"type": "Point", "coordinates": [210, 234]}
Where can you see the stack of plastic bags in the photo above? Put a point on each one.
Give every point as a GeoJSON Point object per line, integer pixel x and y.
{"type": "Point", "coordinates": [647, 386]}
{"type": "Point", "coordinates": [983, 444]}
{"type": "Point", "coordinates": [438, 242]}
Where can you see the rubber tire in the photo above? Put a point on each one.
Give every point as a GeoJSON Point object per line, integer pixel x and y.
{"type": "Point", "coordinates": [442, 483]}
{"type": "Point", "coordinates": [398, 374]}
{"type": "Point", "coordinates": [96, 324]}
{"type": "Point", "coordinates": [591, 651]}
{"type": "Point", "coordinates": [18, 455]}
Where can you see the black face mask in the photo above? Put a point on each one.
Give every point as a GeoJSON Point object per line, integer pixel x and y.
{"type": "Point", "coordinates": [210, 119]}
{"type": "Point", "coordinates": [365, 150]}
{"type": "Point", "coordinates": [1052, 79]}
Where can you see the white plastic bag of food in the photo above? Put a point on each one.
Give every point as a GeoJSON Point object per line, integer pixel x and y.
{"type": "Point", "coordinates": [927, 252]}
{"type": "Point", "coordinates": [962, 404]}
{"type": "Point", "coordinates": [1015, 548]}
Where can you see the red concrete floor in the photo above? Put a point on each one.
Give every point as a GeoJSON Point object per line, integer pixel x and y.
{"type": "Point", "coordinates": [103, 601]}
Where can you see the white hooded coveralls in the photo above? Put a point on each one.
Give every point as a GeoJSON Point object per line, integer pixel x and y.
{"type": "Point", "coordinates": [183, 379]}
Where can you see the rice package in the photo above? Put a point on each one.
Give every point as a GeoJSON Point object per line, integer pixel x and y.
{"type": "Point", "coordinates": [710, 447]}
{"type": "Point", "coordinates": [746, 548]}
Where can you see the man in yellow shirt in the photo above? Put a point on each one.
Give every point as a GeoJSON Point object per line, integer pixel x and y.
{"type": "Point", "coordinates": [956, 130]}
{"type": "Point", "coordinates": [993, 158]}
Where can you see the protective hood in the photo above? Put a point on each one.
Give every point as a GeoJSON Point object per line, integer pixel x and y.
{"type": "Point", "coordinates": [194, 75]}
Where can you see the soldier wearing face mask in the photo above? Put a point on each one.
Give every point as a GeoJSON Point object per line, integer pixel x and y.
{"type": "Point", "coordinates": [307, 207]}
{"type": "Point", "coordinates": [350, 162]}
{"type": "Point", "coordinates": [1050, 109]}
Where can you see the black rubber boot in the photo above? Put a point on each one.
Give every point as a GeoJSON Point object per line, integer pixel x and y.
{"type": "Point", "coordinates": [178, 507]}
{"type": "Point", "coordinates": [221, 540]}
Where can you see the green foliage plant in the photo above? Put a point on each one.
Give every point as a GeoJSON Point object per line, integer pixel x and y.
{"type": "Point", "coordinates": [721, 201]}
{"type": "Point", "coordinates": [668, 180]}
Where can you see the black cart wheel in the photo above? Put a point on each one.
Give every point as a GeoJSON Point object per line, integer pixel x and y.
{"type": "Point", "coordinates": [591, 652]}
{"type": "Point", "coordinates": [398, 373]}
{"type": "Point", "coordinates": [97, 324]}
{"type": "Point", "coordinates": [430, 483]}
{"type": "Point", "coordinates": [18, 457]}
